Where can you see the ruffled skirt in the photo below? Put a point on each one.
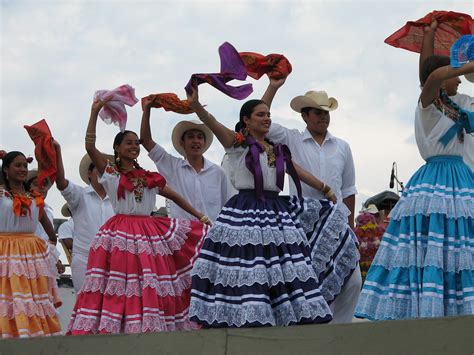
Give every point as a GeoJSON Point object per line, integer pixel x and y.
{"type": "Point", "coordinates": [259, 265]}
{"type": "Point", "coordinates": [138, 276]}
{"type": "Point", "coordinates": [28, 289]}
{"type": "Point", "coordinates": [425, 266]}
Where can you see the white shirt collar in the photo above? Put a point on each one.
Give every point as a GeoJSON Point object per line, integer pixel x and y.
{"type": "Point", "coordinates": [90, 190]}
{"type": "Point", "coordinates": [307, 135]}
{"type": "Point", "coordinates": [207, 164]}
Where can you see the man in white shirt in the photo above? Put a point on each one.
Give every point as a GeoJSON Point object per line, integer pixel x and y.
{"type": "Point", "coordinates": [202, 183]}
{"type": "Point", "coordinates": [90, 207]}
{"type": "Point", "coordinates": [329, 159]}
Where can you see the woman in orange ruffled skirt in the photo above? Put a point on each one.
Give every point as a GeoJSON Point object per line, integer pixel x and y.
{"type": "Point", "coordinates": [28, 289]}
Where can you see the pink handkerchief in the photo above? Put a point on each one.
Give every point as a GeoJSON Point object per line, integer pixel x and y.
{"type": "Point", "coordinates": [114, 111]}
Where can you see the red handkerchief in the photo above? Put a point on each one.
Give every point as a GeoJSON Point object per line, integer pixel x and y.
{"type": "Point", "coordinates": [451, 26]}
{"type": "Point", "coordinates": [170, 102]}
{"type": "Point", "coordinates": [45, 153]}
{"type": "Point", "coordinates": [277, 66]}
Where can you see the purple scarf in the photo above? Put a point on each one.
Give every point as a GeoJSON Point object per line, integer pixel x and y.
{"type": "Point", "coordinates": [282, 156]}
{"type": "Point", "coordinates": [232, 67]}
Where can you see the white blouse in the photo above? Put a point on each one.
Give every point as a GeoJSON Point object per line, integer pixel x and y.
{"type": "Point", "coordinates": [9, 223]}
{"type": "Point", "coordinates": [430, 125]}
{"type": "Point", "coordinates": [241, 177]}
{"type": "Point", "coordinates": [139, 202]}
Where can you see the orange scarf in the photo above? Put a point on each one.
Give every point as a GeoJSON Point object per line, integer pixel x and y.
{"type": "Point", "coordinates": [22, 202]}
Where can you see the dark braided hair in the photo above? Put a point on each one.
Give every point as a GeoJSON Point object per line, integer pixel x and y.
{"type": "Point", "coordinates": [117, 141]}
{"type": "Point", "coordinates": [7, 160]}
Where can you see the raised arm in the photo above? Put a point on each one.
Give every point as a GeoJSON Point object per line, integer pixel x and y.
{"type": "Point", "coordinates": [145, 128]}
{"type": "Point", "coordinates": [315, 183]}
{"type": "Point", "coordinates": [97, 158]}
{"type": "Point", "coordinates": [433, 84]}
{"type": "Point", "coordinates": [427, 47]}
{"type": "Point", "coordinates": [271, 91]}
{"type": "Point", "coordinates": [167, 192]}
{"type": "Point", "coordinates": [61, 181]}
{"type": "Point", "coordinates": [223, 134]}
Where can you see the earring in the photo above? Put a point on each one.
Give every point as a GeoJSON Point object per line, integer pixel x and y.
{"type": "Point", "coordinates": [117, 160]}
{"type": "Point", "coordinates": [245, 131]}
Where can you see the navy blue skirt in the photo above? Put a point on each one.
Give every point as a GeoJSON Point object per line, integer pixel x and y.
{"type": "Point", "coordinates": [256, 265]}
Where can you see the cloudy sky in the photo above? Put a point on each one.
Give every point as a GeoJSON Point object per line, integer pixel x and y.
{"type": "Point", "coordinates": [56, 54]}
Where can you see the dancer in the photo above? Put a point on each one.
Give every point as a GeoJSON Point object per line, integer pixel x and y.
{"type": "Point", "coordinates": [202, 183]}
{"type": "Point", "coordinates": [464, 101]}
{"type": "Point", "coordinates": [424, 265]}
{"type": "Point", "coordinates": [256, 266]}
{"type": "Point", "coordinates": [138, 272]}
{"type": "Point", "coordinates": [28, 289]}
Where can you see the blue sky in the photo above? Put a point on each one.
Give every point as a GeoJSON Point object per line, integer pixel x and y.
{"type": "Point", "coordinates": [56, 54]}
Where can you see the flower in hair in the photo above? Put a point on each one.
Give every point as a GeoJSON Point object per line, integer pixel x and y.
{"type": "Point", "coordinates": [2, 154]}
{"type": "Point", "coordinates": [239, 140]}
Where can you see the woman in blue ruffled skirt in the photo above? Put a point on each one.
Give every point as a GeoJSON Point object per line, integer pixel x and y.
{"type": "Point", "coordinates": [268, 259]}
{"type": "Point", "coordinates": [424, 266]}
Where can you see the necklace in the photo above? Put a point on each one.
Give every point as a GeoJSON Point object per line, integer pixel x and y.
{"type": "Point", "coordinates": [270, 154]}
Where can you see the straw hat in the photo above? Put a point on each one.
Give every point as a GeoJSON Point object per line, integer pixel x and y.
{"type": "Point", "coordinates": [316, 99]}
{"type": "Point", "coordinates": [65, 211]}
{"type": "Point", "coordinates": [184, 126]}
{"type": "Point", "coordinates": [33, 173]}
{"type": "Point", "coordinates": [86, 161]}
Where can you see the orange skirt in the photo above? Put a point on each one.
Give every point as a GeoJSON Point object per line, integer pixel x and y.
{"type": "Point", "coordinates": [28, 289]}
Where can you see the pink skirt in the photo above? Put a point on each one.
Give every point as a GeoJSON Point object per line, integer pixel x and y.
{"type": "Point", "coordinates": [138, 276]}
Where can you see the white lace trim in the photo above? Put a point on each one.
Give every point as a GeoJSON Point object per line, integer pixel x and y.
{"type": "Point", "coordinates": [135, 287]}
{"type": "Point", "coordinates": [109, 240]}
{"type": "Point", "coordinates": [239, 315]}
{"type": "Point", "coordinates": [28, 307]}
{"type": "Point", "coordinates": [309, 211]}
{"type": "Point", "coordinates": [383, 307]}
{"type": "Point", "coordinates": [429, 204]}
{"type": "Point", "coordinates": [419, 256]}
{"type": "Point", "coordinates": [255, 236]}
{"type": "Point", "coordinates": [147, 324]}
{"type": "Point", "coordinates": [271, 275]}
{"type": "Point", "coordinates": [31, 269]}
{"type": "Point", "coordinates": [326, 245]}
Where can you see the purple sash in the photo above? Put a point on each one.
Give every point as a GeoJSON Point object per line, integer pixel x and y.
{"type": "Point", "coordinates": [282, 155]}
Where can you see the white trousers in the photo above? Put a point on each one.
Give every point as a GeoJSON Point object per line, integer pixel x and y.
{"type": "Point", "coordinates": [344, 305]}
{"type": "Point", "coordinates": [78, 270]}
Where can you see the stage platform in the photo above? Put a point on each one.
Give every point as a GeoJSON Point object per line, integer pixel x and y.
{"type": "Point", "coordinates": [450, 336]}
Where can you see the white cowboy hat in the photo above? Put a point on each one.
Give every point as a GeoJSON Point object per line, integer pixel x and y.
{"type": "Point", "coordinates": [372, 209]}
{"type": "Point", "coordinates": [184, 126]}
{"type": "Point", "coordinates": [65, 211]}
{"type": "Point", "coordinates": [86, 161]}
{"type": "Point", "coordinates": [33, 173]}
{"type": "Point", "coordinates": [316, 99]}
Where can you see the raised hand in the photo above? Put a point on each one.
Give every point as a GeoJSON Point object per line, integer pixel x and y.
{"type": "Point", "coordinates": [98, 104]}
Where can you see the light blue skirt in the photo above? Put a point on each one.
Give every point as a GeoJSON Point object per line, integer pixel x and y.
{"type": "Point", "coordinates": [424, 266]}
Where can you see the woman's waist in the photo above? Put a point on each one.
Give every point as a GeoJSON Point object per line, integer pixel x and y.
{"type": "Point", "coordinates": [445, 159]}
{"type": "Point", "coordinates": [266, 193]}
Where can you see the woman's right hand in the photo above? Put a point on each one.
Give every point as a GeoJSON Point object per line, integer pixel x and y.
{"type": "Point", "coordinates": [98, 104]}
{"type": "Point", "coordinates": [432, 27]}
